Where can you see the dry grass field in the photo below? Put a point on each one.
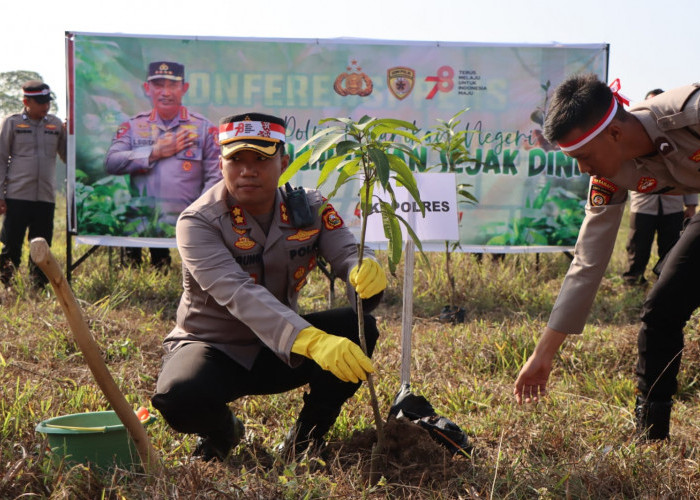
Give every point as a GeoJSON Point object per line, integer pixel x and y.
{"type": "Point", "coordinates": [579, 443]}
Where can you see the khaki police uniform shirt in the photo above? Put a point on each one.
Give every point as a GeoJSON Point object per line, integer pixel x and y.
{"type": "Point", "coordinates": [241, 285]}
{"type": "Point", "coordinates": [649, 204]}
{"type": "Point", "coordinates": [28, 150]}
{"type": "Point", "coordinates": [672, 120]}
{"type": "Point", "coordinates": [175, 181]}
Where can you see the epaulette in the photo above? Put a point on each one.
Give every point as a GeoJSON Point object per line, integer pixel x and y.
{"type": "Point", "coordinates": [689, 114]}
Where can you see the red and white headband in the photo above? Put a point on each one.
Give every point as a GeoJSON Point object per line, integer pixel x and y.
{"type": "Point", "coordinates": [235, 131]}
{"type": "Point", "coordinates": [36, 93]}
{"type": "Point", "coordinates": [588, 136]}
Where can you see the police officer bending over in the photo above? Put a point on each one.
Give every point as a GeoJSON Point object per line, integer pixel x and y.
{"type": "Point", "coordinates": [245, 258]}
{"type": "Point", "coordinates": [653, 148]}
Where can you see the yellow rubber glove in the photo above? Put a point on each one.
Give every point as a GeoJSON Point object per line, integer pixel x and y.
{"type": "Point", "coordinates": [369, 279]}
{"type": "Point", "coordinates": [338, 355]}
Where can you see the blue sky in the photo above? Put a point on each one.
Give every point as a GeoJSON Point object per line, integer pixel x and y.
{"type": "Point", "coordinates": [652, 44]}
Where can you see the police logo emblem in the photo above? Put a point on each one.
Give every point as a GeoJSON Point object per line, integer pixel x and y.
{"type": "Point", "coordinates": [601, 191]}
{"type": "Point", "coordinates": [186, 166]}
{"type": "Point", "coordinates": [331, 219]}
{"type": "Point", "coordinates": [123, 129]}
{"type": "Point", "coordinates": [400, 81]}
{"type": "Point", "coordinates": [353, 82]}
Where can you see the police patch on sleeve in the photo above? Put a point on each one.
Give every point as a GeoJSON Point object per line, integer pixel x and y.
{"type": "Point", "coordinates": [601, 191]}
{"type": "Point", "coordinates": [123, 129]}
{"type": "Point", "coordinates": [331, 219]}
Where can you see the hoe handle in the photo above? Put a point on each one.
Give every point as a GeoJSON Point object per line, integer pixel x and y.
{"type": "Point", "coordinates": [42, 256]}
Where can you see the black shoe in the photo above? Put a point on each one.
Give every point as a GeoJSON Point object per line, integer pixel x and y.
{"type": "Point", "coordinates": [653, 418]}
{"type": "Point", "coordinates": [452, 314]}
{"type": "Point", "coordinates": [217, 447]}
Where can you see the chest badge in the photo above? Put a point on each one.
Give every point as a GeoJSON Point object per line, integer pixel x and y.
{"type": "Point", "coordinates": [646, 184]}
{"type": "Point", "coordinates": [244, 243]}
{"type": "Point", "coordinates": [186, 166]}
{"type": "Point", "coordinates": [303, 235]}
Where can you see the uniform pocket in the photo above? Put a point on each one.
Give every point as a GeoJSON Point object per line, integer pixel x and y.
{"type": "Point", "coordinates": [50, 143]}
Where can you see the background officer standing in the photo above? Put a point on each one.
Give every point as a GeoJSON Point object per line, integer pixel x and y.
{"type": "Point", "coordinates": [29, 143]}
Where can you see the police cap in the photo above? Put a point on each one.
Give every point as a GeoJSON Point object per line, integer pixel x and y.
{"type": "Point", "coordinates": [168, 70]}
{"type": "Point", "coordinates": [255, 131]}
{"type": "Point", "coordinates": [37, 90]}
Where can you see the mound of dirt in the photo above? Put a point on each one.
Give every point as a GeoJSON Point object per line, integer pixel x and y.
{"type": "Point", "coordinates": [411, 456]}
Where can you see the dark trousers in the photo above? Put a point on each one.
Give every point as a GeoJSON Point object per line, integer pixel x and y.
{"type": "Point", "coordinates": [160, 257]}
{"type": "Point", "coordinates": [665, 312]}
{"type": "Point", "coordinates": [23, 215]}
{"type": "Point", "coordinates": [197, 381]}
{"type": "Point", "coordinates": [643, 227]}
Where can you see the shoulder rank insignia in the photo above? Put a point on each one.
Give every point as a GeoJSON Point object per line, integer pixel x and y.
{"type": "Point", "coordinates": [239, 231]}
{"type": "Point", "coordinates": [237, 216]}
{"type": "Point", "coordinates": [284, 216]}
{"type": "Point", "coordinates": [331, 219]}
{"type": "Point", "coordinates": [695, 156]}
{"type": "Point", "coordinates": [244, 243]}
{"type": "Point", "coordinates": [303, 235]}
{"type": "Point", "coordinates": [601, 191]}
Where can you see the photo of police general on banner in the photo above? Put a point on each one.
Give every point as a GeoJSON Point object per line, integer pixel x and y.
{"type": "Point", "coordinates": [144, 112]}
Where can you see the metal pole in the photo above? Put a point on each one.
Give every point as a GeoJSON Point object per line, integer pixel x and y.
{"type": "Point", "coordinates": [407, 313]}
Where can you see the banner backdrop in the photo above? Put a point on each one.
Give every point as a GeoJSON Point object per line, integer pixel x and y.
{"type": "Point", "coordinates": [530, 195]}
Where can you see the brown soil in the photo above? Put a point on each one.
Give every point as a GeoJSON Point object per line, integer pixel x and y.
{"type": "Point", "coordinates": [412, 457]}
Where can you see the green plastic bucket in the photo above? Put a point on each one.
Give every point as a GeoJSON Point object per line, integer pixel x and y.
{"type": "Point", "coordinates": [98, 437]}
